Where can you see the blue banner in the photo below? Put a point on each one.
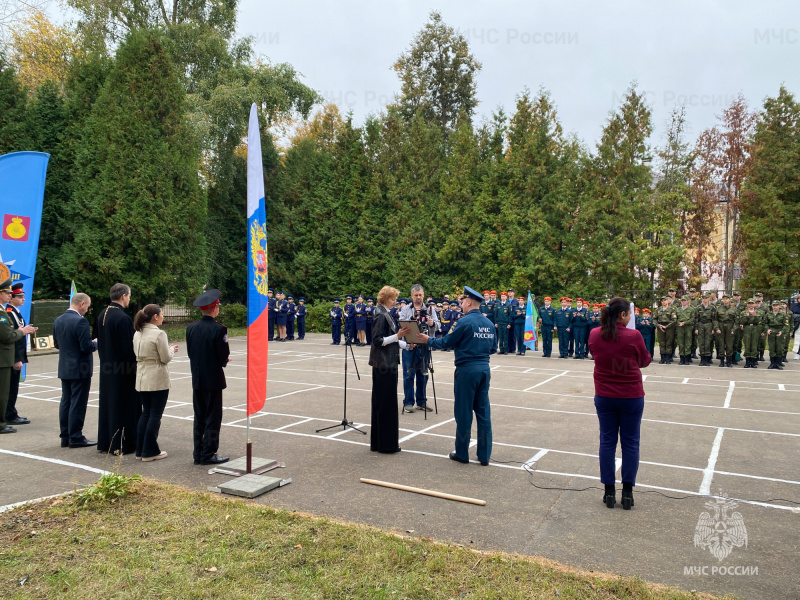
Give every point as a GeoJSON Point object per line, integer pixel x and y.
{"type": "Point", "coordinates": [22, 176]}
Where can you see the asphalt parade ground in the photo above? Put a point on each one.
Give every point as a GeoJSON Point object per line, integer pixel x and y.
{"type": "Point", "coordinates": [707, 433]}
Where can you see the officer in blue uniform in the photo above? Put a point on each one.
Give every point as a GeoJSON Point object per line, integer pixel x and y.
{"type": "Point", "coordinates": [271, 315]}
{"type": "Point", "coordinates": [487, 307]}
{"type": "Point", "coordinates": [547, 317]}
{"type": "Point", "coordinates": [281, 312]}
{"type": "Point", "coordinates": [446, 319]}
{"type": "Point", "coordinates": [647, 328]}
{"type": "Point", "coordinates": [564, 325]}
{"type": "Point", "coordinates": [336, 322]}
{"type": "Point", "coordinates": [361, 321]}
{"type": "Point", "coordinates": [291, 312]}
{"type": "Point", "coordinates": [370, 310]}
{"type": "Point", "coordinates": [519, 326]}
{"type": "Point", "coordinates": [580, 328]}
{"type": "Point", "coordinates": [473, 338]}
{"type": "Point", "coordinates": [302, 310]}
{"type": "Point", "coordinates": [395, 312]}
{"type": "Point", "coordinates": [349, 320]}
{"type": "Point", "coordinates": [512, 339]}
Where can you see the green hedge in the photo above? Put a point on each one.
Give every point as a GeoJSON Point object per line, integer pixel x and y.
{"type": "Point", "coordinates": [318, 318]}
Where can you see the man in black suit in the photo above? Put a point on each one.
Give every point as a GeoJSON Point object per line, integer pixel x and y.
{"type": "Point", "coordinates": [20, 355]}
{"type": "Point", "coordinates": [8, 337]}
{"type": "Point", "coordinates": [207, 346]}
{"type": "Point", "coordinates": [75, 347]}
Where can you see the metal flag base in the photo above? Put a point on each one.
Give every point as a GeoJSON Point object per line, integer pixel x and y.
{"type": "Point", "coordinates": [250, 485]}
{"type": "Point", "coordinates": [238, 467]}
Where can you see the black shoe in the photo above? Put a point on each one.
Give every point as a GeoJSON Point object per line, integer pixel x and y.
{"type": "Point", "coordinates": [627, 498]}
{"type": "Point", "coordinates": [18, 421]}
{"type": "Point", "coordinates": [8, 429]}
{"type": "Point", "coordinates": [484, 463]}
{"type": "Point", "coordinates": [455, 458]}
{"type": "Point", "coordinates": [84, 443]}
{"type": "Point", "coordinates": [215, 460]}
{"type": "Point", "coordinates": [64, 442]}
{"type": "Point", "coordinates": [424, 408]}
{"type": "Point", "coordinates": [609, 497]}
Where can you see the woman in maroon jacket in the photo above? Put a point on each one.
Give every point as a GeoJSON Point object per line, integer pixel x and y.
{"type": "Point", "coordinates": [619, 354]}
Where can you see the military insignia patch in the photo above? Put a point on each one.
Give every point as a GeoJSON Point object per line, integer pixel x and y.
{"type": "Point", "coordinates": [258, 252]}
{"type": "Point", "coordinates": [3, 319]}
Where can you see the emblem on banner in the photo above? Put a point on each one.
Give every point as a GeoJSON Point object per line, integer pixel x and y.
{"type": "Point", "coordinates": [258, 251]}
{"type": "Point", "coordinates": [16, 228]}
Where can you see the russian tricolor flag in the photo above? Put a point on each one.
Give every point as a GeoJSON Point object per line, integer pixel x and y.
{"type": "Point", "coordinates": [257, 301]}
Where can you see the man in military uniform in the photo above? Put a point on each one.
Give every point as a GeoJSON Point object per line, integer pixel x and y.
{"type": "Point", "coordinates": [764, 310]}
{"type": "Point", "coordinates": [694, 301]}
{"type": "Point", "coordinates": [291, 315]}
{"type": "Point", "coordinates": [727, 321]}
{"type": "Point", "coordinates": [336, 323]}
{"type": "Point", "coordinates": [685, 316]}
{"type": "Point", "coordinates": [271, 315]}
{"type": "Point", "coordinates": [751, 323]}
{"type": "Point", "coordinates": [487, 306]}
{"type": "Point", "coordinates": [20, 355]}
{"type": "Point", "coordinates": [207, 346]}
{"type": "Point", "coordinates": [349, 320]}
{"type": "Point", "coordinates": [741, 307]}
{"type": "Point", "coordinates": [563, 320]}
{"type": "Point", "coordinates": [518, 326]}
{"type": "Point", "coordinates": [775, 324]}
{"type": "Point", "coordinates": [9, 336]}
{"type": "Point", "coordinates": [473, 339]}
{"type": "Point", "coordinates": [665, 330]}
{"type": "Point", "coordinates": [370, 312]}
{"type": "Point", "coordinates": [547, 317]}
{"type": "Point", "coordinates": [446, 320]}
{"type": "Point", "coordinates": [302, 310]}
{"type": "Point", "coordinates": [502, 321]}
{"type": "Point", "coordinates": [705, 326]}
{"type": "Point", "coordinates": [512, 341]}
{"type": "Point", "coordinates": [580, 329]}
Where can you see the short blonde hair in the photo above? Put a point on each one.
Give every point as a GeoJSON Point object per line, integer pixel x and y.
{"type": "Point", "coordinates": [387, 293]}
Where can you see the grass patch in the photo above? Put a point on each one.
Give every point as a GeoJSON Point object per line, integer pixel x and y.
{"type": "Point", "coordinates": [170, 542]}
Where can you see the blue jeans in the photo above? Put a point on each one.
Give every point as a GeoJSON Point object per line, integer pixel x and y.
{"type": "Point", "coordinates": [619, 418]}
{"type": "Point", "coordinates": [414, 367]}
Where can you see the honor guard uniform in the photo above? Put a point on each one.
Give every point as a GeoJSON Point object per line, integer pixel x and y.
{"type": "Point", "coordinates": [705, 327]}
{"type": "Point", "coordinates": [752, 325]}
{"type": "Point", "coordinates": [20, 357]}
{"type": "Point", "coordinates": [291, 313]}
{"type": "Point", "coordinates": [648, 330]}
{"type": "Point", "coordinates": [271, 314]}
{"type": "Point", "coordinates": [727, 322]}
{"type": "Point", "coordinates": [580, 328]}
{"type": "Point", "coordinates": [775, 324]}
{"type": "Point", "coordinates": [547, 317]}
{"type": "Point", "coordinates": [207, 346]}
{"type": "Point", "coordinates": [563, 324]}
{"type": "Point", "coordinates": [336, 322]}
{"type": "Point", "coordinates": [519, 326]}
{"type": "Point", "coordinates": [685, 316]}
{"type": "Point", "coordinates": [665, 330]}
{"type": "Point", "coordinates": [302, 310]}
{"type": "Point", "coordinates": [502, 320]}
{"type": "Point", "coordinates": [473, 339]}
{"type": "Point", "coordinates": [349, 320]}
{"type": "Point", "coordinates": [370, 310]}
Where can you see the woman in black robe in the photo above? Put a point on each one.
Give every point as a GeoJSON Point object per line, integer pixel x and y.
{"type": "Point", "coordinates": [384, 356]}
{"type": "Point", "coordinates": [120, 406]}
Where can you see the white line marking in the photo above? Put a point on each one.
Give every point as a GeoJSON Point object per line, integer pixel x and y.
{"type": "Point", "coordinates": [55, 461]}
{"type": "Point", "coordinates": [728, 395]}
{"type": "Point", "coordinates": [295, 424]}
{"type": "Point", "coordinates": [34, 501]}
{"type": "Point", "coordinates": [708, 472]}
{"type": "Point", "coordinates": [535, 458]}
{"type": "Point", "coordinates": [781, 387]}
{"type": "Point", "coordinates": [686, 380]}
{"type": "Point", "coordinates": [473, 443]}
{"type": "Point", "coordinates": [416, 433]}
{"type": "Point", "coordinates": [346, 429]}
{"type": "Point", "coordinates": [617, 464]}
{"type": "Point", "coordinates": [545, 381]}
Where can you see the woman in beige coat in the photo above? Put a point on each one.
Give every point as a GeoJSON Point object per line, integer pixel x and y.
{"type": "Point", "coordinates": [152, 378]}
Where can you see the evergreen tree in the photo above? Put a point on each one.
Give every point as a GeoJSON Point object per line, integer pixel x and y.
{"type": "Point", "coordinates": [138, 213]}
{"type": "Point", "coordinates": [12, 109]}
{"type": "Point", "coordinates": [770, 200]}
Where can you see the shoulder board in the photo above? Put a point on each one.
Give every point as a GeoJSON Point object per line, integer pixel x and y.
{"type": "Point", "coordinates": [9, 308]}
{"type": "Point", "coordinates": [220, 323]}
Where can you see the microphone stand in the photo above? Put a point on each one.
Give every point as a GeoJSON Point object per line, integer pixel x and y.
{"type": "Point", "coordinates": [345, 423]}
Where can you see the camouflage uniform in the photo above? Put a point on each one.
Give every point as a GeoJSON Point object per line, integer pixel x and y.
{"type": "Point", "coordinates": [727, 320]}
{"type": "Point", "coordinates": [665, 316]}
{"type": "Point", "coordinates": [775, 324]}
{"type": "Point", "coordinates": [686, 315]}
{"type": "Point", "coordinates": [752, 326]}
{"type": "Point", "coordinates": [705, 326]}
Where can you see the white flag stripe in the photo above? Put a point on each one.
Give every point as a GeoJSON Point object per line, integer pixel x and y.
{"type": "Point", "coordinates": [255, 174]}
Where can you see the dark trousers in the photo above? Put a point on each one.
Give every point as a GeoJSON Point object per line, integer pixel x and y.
{"type": "Point", "coordinates": [563, 341]}
{"type": "Point", "coordinates": [580, 334]}
{"type": "Point", "coordinates": [384, 430]}
{"type": "Point", "coordinates": [350, 330]}
{"type": "Point", "coordinates": [472, 395]}
{"type": "Point", "coordinates": [547, 340]}
{"type": "Point", "coordinates": [619, 418]}
{"type": "Point", "coordinates": [571, 334]}
{"type": "Point", "coordinates": [207, 423]}
{"type": "Point", "coordinates": [290, 328]}
{"type": "Point", "coordinates": [415, 368]}
{"type": "Point", "coordinates": [5, 384]}
{"type": "Point", "coordinates": [72, 410]}
{"type": "Point", "coordinates": [502, 338]}
{"type": "Point", "coordinates": [336, 331]}
{"type": "Point", "coordinates": [512, 338]}
{"type": "Point", "coordinates": [368, 334]}
{"type": "Point", "coordinates": [271, 325]}
{"type": "Point", "coordinates": [519, 335]}
{"type": "Point", "coordinates": [153, 404]}
{"type": "Point", "coordinates": [301, 328]}
{"type": "Point", "coordinates": [13, 391]}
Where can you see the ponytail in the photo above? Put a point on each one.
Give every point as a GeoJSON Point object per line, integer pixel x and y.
{"type": "Point", "coordinates": [609, 315]}
{"type": "Point", "coordinates": [145, 316]}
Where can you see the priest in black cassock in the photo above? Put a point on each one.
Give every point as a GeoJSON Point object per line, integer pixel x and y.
{"type": "Point", "coordinates": [120, 407]}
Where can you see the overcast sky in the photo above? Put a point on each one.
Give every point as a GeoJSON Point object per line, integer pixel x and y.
{"type": "Point", "coordinates": [701, 53]}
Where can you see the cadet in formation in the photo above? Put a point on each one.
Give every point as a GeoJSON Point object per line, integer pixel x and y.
{"type": "Point", "coordinates": [751, 324]}
{"type": "Point", "coordinates": [648, 330]}
{"type": "Point", "coordinates": [665, 330]}
{"type": "Point", "coordinates": [349, 320]}
{"type": "Point", "coordinates": [336, 322]}
{"type": "Point", "coordinates": [776, 327]}
{"type": "Point", "coordinates": [519, 326]}
{"type": "Point", "coordinates": [727, 324]}
{"type": "Point", "coordinates": [547, 317]}
{"type": "Point", "coordinates": [370, 310]}
{"type": "Point", "coordinates": [502, 322]}
{"type": "Point", "coordinates": [580, 329]}
{"type": "Point", "coordinates": [361, 321]}
{"type": "Point", "coordinates": [563, 325]}
{"type": "Point", "coordinates": [291, 314]}
{"type": "Point", "coordinates": [302, 310]}
{"type": "Point", "coordinates": [271, 315]}
{"type": "Point", "coordinates": [685, 316]}
{"type": "Point", "coordinates": [705, 326]}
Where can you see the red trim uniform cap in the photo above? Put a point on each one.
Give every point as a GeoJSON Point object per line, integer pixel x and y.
{"type": "Point", "coordinates": [493, 292]}
{"type": "Point", "coordinates": [579, 300]}
{"type": "Point", "coordinates": [563, 298]}
{"type": "Point", "coordinates": [548, 298]}
{"type": "Point", "coordinates": [486, 292]}
{"type": "Point", "coordinates": [16, 290]}
{"type": "Point", "coordinates": [647, 310]}
{"type": "Point", "coordinates": [208, 300]}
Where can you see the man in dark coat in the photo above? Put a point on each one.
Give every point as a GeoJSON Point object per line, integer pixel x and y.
{"type": "Point", "coordinates": [207, 346]}
{"type": "Point", "coordinates": [20, 355]}
{"type": "Point", "coordinates": [120, 407]}
{"type": "Point", "coordinates": [71, 334]}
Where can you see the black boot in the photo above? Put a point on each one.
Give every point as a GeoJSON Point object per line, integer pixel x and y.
{"type": "Point", "coordinates": [694, 353]}
{"type": "Point", "coordinates": [771, 363]}
{"type": "Point", "coordinates": [610, 496]}
{"type": "Point", "coordinates": [703, 360]}
{"type": "Point", "coordinates": [729, 362]}
{"type": "Point", "coordinates": [627, 495]}
{"type": "Point", "coordinates": [778, 364]}
{"type": "Point", "coordinates": [761, 357]}
{"type": "Point", "coordinates": [683, 359]}
{"type": "Point", "coordinates": [689, 360]}
{"type": "Point", "coordinates": [722, 362]}
{"type": "Point", "coordinates": [754, 364]}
